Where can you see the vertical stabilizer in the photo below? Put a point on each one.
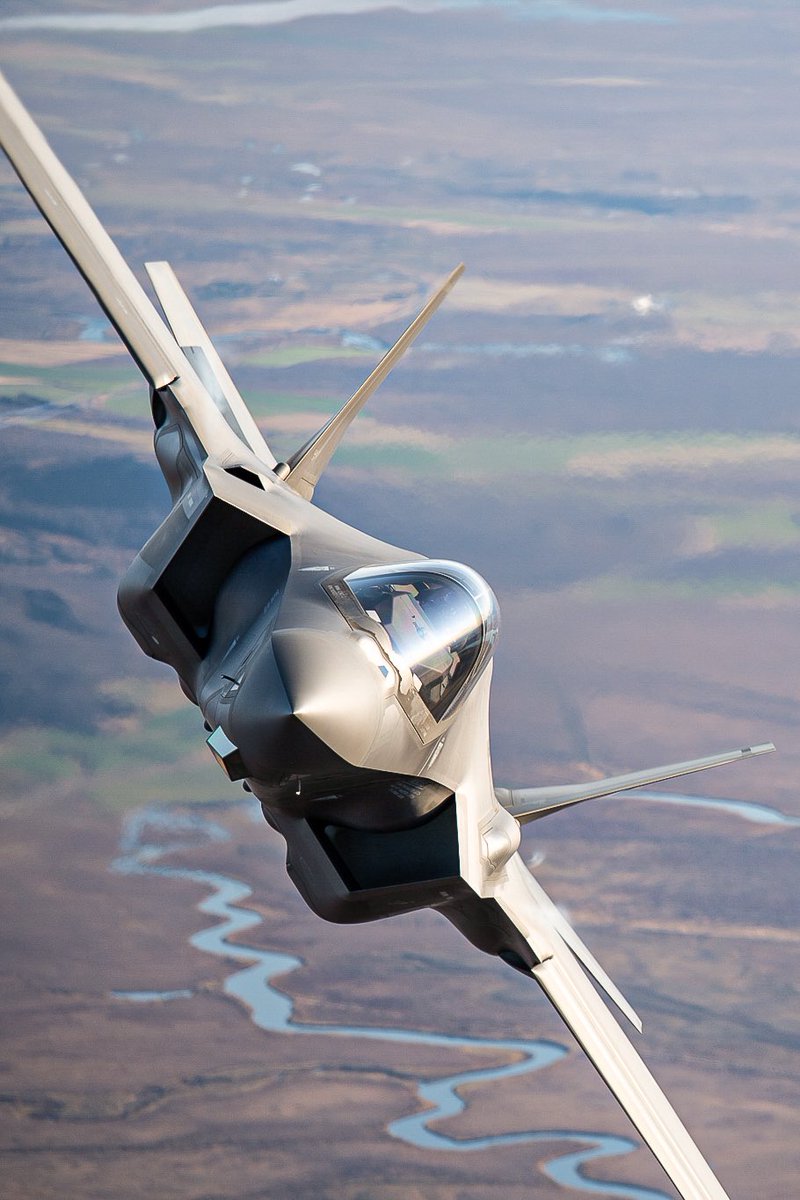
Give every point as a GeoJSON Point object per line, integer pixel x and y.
{"type": "Point", "coordinates": [191, 336]}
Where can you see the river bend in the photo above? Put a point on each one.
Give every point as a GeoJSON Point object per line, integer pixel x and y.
{"type": "Point", "coordinates": [152, 835]}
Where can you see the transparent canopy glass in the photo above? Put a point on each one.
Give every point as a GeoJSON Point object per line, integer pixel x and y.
{"type": "Point", "coordinates": [442, 621]}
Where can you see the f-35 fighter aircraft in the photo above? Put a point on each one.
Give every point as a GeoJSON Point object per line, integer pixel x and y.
{"type": "Point", "coordinates": [343, 680]}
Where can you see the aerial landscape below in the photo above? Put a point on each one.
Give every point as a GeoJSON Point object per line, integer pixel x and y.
{"type": "Point", "coordinates": [600, 421]}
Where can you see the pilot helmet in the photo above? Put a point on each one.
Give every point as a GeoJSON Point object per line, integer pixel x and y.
{"type": "Point", "coordinates": [442, 623]}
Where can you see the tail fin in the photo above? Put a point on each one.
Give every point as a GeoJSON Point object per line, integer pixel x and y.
{"type": "Point", "coordinates": [582, 952]}
{"type": "Point", "coordinates": [195, 343]}
{"type": "Point", "coordinates": [303, 470]}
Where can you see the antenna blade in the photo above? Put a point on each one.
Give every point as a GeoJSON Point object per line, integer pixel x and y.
{"type": "Point", "coordinates": [528, 804]}
{"type": "Point", "coordinates": [307, 464]}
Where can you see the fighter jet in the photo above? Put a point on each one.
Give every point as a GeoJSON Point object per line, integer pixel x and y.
{"type": "Point", "coordinates": [344, 681]}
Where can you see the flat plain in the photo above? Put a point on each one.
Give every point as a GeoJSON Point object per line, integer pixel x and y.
{"type": "Point", "coordinates": [613, 382]}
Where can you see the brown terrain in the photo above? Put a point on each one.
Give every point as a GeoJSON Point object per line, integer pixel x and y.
{"type": "Point", "coordinates": [612, 387]}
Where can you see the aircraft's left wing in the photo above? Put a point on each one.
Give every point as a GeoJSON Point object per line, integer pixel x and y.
{"type": "Point", "coordinates": [117, 289]}
{"type": "Point", "coordinates": [623, 1071]}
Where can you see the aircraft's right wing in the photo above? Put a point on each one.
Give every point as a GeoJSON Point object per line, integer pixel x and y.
{"type": "Point", "coordinates": [603, 1041]}
{"type": "Point", "coordinates": [119, 293]}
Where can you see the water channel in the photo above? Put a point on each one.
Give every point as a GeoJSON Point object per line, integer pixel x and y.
{"type": "Point", "coordinates": [153, 835]}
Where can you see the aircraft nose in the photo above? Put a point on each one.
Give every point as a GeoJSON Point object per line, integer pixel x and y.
{"type": "Point", "coordinates": [333, 688]}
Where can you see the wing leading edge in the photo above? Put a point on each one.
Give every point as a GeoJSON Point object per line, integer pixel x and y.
{"type": "Point", "coordinates": [75, 224]}
{"type": "Point", "coordinates": [558, 950]}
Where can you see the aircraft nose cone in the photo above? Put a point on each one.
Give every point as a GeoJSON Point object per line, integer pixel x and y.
{"type": "Point", "coordinates": [332, 687]}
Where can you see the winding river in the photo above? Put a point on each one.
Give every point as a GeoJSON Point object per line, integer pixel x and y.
{"type": "Point", "coordinates": [152, 835]}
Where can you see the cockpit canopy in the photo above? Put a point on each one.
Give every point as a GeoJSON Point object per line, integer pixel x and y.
{"type": "Point", "coordinates": [442, 621]}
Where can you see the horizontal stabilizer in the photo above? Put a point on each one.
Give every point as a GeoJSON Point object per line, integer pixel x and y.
{"type": "Point", "coordinates": [528, 804]}
{"type": "Point", "coordinates": [191, 336]}
{"type": "Point", "coordinates": [304, 468]}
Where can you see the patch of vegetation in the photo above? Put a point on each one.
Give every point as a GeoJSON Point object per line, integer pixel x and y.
{"type": "Point", "coordinates": [156, 754]}
{"type": "Point", "coordinates": [114, 386]}
{"type": "Point", "coordinates": [390, 456]}
{"type": "Point", "coordinates": [292, 356]}
{"type": "Point", "coordinates": [266, 404]}
{"type": "Point", "coordinates": [723, 587]}
{"type": "Point", "coordinates": [758, 525]}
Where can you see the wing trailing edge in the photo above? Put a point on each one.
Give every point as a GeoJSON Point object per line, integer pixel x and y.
{"type": "Point", "coordinates": [529, 804]}
{"type": "Point", "coordinates": [303, 470]}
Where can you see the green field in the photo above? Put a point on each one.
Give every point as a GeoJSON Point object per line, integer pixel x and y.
{"type": "Point", "coordinates": [154, 756]}
{"type": "Point", "coordinates": [292, 356]}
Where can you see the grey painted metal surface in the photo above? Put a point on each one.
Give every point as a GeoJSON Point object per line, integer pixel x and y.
{"type": "Point", "coordinates": [346, 681]}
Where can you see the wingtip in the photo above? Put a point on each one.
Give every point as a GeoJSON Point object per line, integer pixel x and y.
{"type": "Point", "coordinates": [762, 748]}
